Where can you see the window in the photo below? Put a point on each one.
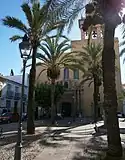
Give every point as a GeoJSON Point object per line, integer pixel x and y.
{"type": "Point", "coordinates": [8, 104]}
{"type": "Point", "coordinates": [66, 73]}
{"type": "Point", "coordinates": [9, 87]}
{"type": "Point", "coordinates": [76, 73]}
{"type": "Point", "coordinates": [16, 89]}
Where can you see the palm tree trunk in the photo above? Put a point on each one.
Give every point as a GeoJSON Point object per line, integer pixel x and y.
{"type": "Point", "coordinates": [110, 97]}
{"type": "Point", "coordinates": [95, 98]}
{"type": "Point", "coordinates": [30, 107]}
{"type": "Point", "coordinates": [74, 106]}
{"type": "Point", "coordinates": [52, 101]}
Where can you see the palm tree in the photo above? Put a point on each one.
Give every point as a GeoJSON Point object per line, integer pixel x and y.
{"type": "Point", "coordinates": [39, 23]}
{"type": "Point", "coordinates": [102, 12]}
{"type": "Point", "coordinates": [53, 59]}
{"type": "Point", "coordinates": [90, 65]}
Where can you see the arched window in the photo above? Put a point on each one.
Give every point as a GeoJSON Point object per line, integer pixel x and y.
{"type": "Point", "coordinates": [76, 74]}
{"type": "Point", "coordinates": [66, 73]}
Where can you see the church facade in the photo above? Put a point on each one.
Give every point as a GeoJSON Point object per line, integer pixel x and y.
{"type": "Point", "coordinates": [81, 97]}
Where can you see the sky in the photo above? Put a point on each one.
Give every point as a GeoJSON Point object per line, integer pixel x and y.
{"type": "Point", "coordinates": [9, 52]}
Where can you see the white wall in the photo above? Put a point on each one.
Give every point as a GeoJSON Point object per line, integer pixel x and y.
{"type": "Point", "coordinates": [4, 90]}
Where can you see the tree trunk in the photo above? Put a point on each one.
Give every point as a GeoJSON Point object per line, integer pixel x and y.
{"type": "Point", "coordinates": [95, 97]}
{"type": "Point", "coordinates": [53, 110]}
{"type": "Point", "coordinates": [104, 119]}
{"type": "Point", "coordinates": [110, 97]}
{"type": "Point", "coordinates": [80, 110]}
{"type": "Point", "coordinates": [31, 94]}
{"type": "Point", "coordinates": [74, 106]}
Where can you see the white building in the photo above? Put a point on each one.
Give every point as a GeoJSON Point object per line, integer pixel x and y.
{"type": "Point", "coordinates": [10, 92]}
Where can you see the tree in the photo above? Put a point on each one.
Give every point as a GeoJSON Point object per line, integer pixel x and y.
{"type": "Point", "coordinates": [11, 72]}
{"type": "Point", "coordinates": [43, 94]}
{"type": "Point", "coordinates": [39, 23]}
{"type": "Point", "coordinates": [90, 64]}
{"type": "Point", "coordinates": [102, 12]}
{"type": "Point", "coordinates": [53, 59]}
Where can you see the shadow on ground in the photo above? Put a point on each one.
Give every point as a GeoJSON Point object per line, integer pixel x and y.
{"type": "Point", "coordinates": [45, 139]}
{"type": "Point", "coordinates": [66, 122]}
{"type": "Point", "coordinates": [92, 148]}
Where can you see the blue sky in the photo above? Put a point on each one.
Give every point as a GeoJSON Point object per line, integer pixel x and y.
{"type": "Point", "coordinates": [9, 52]}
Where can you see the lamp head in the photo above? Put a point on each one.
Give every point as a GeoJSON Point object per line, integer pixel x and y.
{"type": "Point", "coordinates": [25, 47]}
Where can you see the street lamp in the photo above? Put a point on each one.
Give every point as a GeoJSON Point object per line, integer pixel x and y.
{"type": "Point", "coordinates": [25, 51]}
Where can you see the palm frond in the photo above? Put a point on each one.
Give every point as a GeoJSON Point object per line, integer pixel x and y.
{"type": "Point", "coordinates": [85, 80]}
{"type": "Point", "coordinates": [122, 52]}
{"type": "Point", "coordinates": [90, 83]}
{"type": "Point", "coordinates": [42, 57]}
{"type": "Point", "coordinates": [15, 23]}
{"type": "Point", "coordinates": [123, 60]}
{"type": "Point", "coordinates": [62, 45]}
{"type": "Point", "coordinates": [15, 38]}
{"type": "Point", "coordinates": [45, 50]}
{"type": "Point", "coordinates": [52, 25]}
{"type": "Point", "coordinates": [26, 8]}
{"type": "Point", "coordinates": [69, 10]}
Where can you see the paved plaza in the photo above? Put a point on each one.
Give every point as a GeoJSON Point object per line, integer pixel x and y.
{"type": "Point", "coordinates": [75, 143]}
{"type": "Point", "coordinates": [69, 142]}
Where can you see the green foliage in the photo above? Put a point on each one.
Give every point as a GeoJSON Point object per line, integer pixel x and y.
{"type": "Point", "coordinates": [43, 94]}
{"type": "Point", "coordinates": [121, 96]}
{"type": "Point", "coordinates": [53, 56]}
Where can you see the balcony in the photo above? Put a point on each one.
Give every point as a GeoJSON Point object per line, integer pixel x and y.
{"type": "Point", "coordinates": [9, 94]}
{"type": "Point", "coordinates": [17, 96]}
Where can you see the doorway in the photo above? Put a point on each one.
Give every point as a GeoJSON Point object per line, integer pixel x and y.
{"type": "Point", "coordinates": [66, 109]}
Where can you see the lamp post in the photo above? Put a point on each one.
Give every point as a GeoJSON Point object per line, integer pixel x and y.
{"type": "Point", "coordinates": [25, 50]}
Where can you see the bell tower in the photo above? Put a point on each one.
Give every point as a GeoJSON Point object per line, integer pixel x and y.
{"type": "Point", "coordinates": [96, 31]}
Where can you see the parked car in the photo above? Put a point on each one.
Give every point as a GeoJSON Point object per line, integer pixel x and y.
{"type": "Point", "coordinates": [120, 115]}
{"type": "Point", "coordinates": [6, 117]}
